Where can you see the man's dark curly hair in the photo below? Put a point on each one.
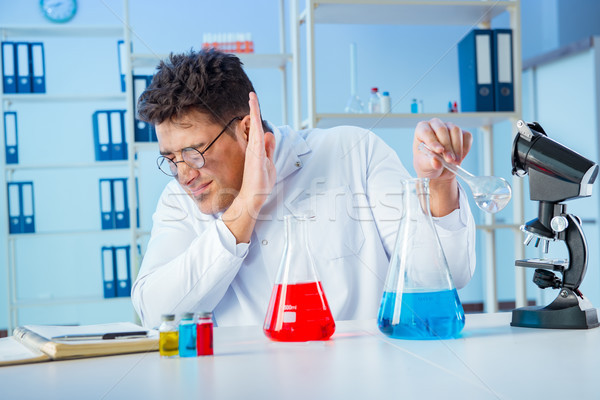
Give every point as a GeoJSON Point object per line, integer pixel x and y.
{"type": "Point", "coordinates": [208, 81]}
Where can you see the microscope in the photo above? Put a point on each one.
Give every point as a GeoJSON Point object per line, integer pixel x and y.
{"type": "Point", "coordinates": [556, 174]}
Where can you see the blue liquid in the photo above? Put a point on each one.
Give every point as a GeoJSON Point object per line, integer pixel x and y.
{"type": "Point", "coordinates": [423, 315]}
{"type": "Point", "coordinates": [187, 340]}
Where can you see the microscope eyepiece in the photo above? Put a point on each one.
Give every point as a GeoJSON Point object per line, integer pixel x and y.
{"type": "Point", "coordinates": [556, 173]}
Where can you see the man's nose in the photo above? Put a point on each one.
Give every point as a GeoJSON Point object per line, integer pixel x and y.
{"type": "Point", "coordinates": [185, 173]}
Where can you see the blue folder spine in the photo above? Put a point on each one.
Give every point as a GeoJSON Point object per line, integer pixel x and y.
{"type": "Point", "coordinates": [9, 67]}
{"type": "Point", "coordinates": [123, 270]}
{"type": "Point", "coordinates": [23, 65]}
{"type": "Point", "coordinates": [108, 271]}
{"type": "Point", "coordinates": [144, 132]}
{"type": "Point", "coordinates": [476, 71]}
{"type": "Point", "coordinates": [11, 137]}
{"type": "Point", "coordinates": [38, 67]}
{"type": "Point", "coordinates": [503, 70]}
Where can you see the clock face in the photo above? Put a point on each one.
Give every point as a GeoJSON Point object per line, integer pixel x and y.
{"type": "Point", "coordinates": [59, 10]}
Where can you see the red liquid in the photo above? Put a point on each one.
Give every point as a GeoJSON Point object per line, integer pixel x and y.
{"type": "Point", "coordinates": [204, 339]}
{"type": "Point", "coordinates": [298, 313]}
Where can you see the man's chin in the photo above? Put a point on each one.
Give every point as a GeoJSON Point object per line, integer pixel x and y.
{"type": "Point", "coordinates": [209, 205]}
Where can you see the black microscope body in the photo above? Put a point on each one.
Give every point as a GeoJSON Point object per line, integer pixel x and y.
{"type": "Point", "coordinates": [556, 174]}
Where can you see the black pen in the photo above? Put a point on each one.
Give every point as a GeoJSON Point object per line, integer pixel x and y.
{"type": "Point", "coordinates": [103, 336]}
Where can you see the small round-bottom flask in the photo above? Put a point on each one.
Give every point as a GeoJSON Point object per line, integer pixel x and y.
{"type": "Point", "coordinates": [419, 299]}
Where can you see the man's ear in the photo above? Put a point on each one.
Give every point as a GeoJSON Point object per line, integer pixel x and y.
{"type": "Point", "coordinates": [246, 127]}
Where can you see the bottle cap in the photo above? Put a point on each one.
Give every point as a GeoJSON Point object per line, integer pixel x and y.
{"type": "Point", "coordinates": [168, 317]}
{"type": "Point", "coordinates": [188, 316]}
{"type": "Point", "coordinates": [373, 90]}
{"type": "Point", "coordinates": [386, 93]}
{"type": "Point", "coordinates": [205, 314]}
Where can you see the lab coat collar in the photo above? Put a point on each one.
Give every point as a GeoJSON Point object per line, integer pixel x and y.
{"type": "Point", "coordinates": [289, 146]}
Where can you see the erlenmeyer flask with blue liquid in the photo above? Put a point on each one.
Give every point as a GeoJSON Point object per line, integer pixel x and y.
{"type": "Point", "coordinates": [419, 299]}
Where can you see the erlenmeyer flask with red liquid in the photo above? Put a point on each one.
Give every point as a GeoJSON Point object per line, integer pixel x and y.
{"type": "Point", "coordinates": [298, 310]}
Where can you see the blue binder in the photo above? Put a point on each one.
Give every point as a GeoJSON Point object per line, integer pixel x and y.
{"type": "Point", "coordinates": [108, 272]}
{"type": "Point", "coordinates": [120, 204]}
{"type": "Point", "coordinates": [503, 70]}
{"type": "Point", "coordinates": [9, 67]}
{"type": "Point", "coordinates": [38, 68]}
{"type": "Point", "coordinates": [23, 56]}
{"type": "Point", "coordinates": [123, 271]}
{"type": "Point", "coordinates": [106, 204]}
{"type": "Point", "coordinates": [122, 67]}
{"type": "Point", "coordinates": [27, 207]}
{"type": "Point", "coordinates": [118, 150]}
{"type": "Point", "coordinates": [101, 135]}
{"type": "Point", "coordinates": [114, 209]}
{"type": "Point", "coordinates": [109, 135]}
{"type": "Point", "coordinates": [476, 71]}
{"type": "Point", "coordinates": [14, 207]}
{"type": "Point", "coordinates": [11, 137]}
{"type": "Point", "coordinates": [20, 207]}
{"type": "Point", "coordinates": [143, 130]}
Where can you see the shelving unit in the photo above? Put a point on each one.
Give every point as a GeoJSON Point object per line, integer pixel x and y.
{"type": "Point", "coordinates": [131, 168]}
{"type": "Point", "coordinates": [423, 12]}
{"type": "Point", "coordinates": [15, 303]}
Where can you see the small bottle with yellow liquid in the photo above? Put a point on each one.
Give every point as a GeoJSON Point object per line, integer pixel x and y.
{"type": "Point", "coordinates": [168, 342]}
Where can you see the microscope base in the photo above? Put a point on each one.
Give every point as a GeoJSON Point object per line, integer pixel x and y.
{"type": "Point", "coordinates": [567, 318]}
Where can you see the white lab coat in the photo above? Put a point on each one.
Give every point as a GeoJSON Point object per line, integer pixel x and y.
{"type": "Point", "coordinates": [349, 178]}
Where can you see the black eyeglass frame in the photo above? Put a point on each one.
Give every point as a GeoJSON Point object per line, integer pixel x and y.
{"type": "Point", "coordinates": [173, 164]}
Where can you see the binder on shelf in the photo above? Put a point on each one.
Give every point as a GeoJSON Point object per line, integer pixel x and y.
{"type": "Point", "coordinates": [118, 149]}
{"type": "Point", "coordinates": [101, 136]}
{"type": "Point", "coordinates": [11, 137]}
{"type": "Point", "coordinates": [144, 132]}
{"type": "Point", "coordinates": [14, 207]}
{"type": "Point", "coordinates": [476, 71]}
{"type": "Point", "coordinates": [27, 207]}
{"type": "Point", "coordinates": [38, 68]}
{"type": "Point", "coordinates": [120, 205]}
{"type": "Point", "coordinates": [9, 69]}
{"type": "Point", "coordinates": [23, 66]}
{"type": "Point", "coordinates": [123, 271]}
{"type": "Point", "coordinates": [108, 272]}
{"type": "Point", "coordinates": [106, 207]}
{"type": "Point", "coordinates": [20, 207]}
{"type": "Point", "coordinates": [114, 207]}
{"type": "Point", "coordinates": [122, 67]}
{"type": "Point", "coordinates": [109, 135]}
{"type": "Point", "coordinates": [504, 98]}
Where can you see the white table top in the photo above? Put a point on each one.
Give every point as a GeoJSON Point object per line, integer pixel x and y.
{"type": "Point", "coordinates": [491, 360]}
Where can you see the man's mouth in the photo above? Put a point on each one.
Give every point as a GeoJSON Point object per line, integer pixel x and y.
{"type": "Point", "coordinates": [198, 190]}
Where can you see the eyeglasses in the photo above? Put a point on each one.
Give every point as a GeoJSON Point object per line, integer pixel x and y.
{"type": "Point", "coordinates": [193, 157]}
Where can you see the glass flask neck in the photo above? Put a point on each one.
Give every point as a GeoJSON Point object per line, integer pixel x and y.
{"type": "Point", "coordinates": [297, 262]}
{"type": "Point", "coordinates": [417, 196]}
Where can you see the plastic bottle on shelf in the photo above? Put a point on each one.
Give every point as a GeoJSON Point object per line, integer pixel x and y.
{"type": "Point", "coordinates": [420, 107]}
{"type": "Point", "coordinates": [374, 101]}
{"type": "Point", "coordinates": [414, 106]}
{"type": "Point", "coordinates": [386, 103]}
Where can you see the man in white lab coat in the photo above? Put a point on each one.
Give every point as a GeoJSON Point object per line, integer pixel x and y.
{"type": "Point", "coordinates": [218, 229]}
